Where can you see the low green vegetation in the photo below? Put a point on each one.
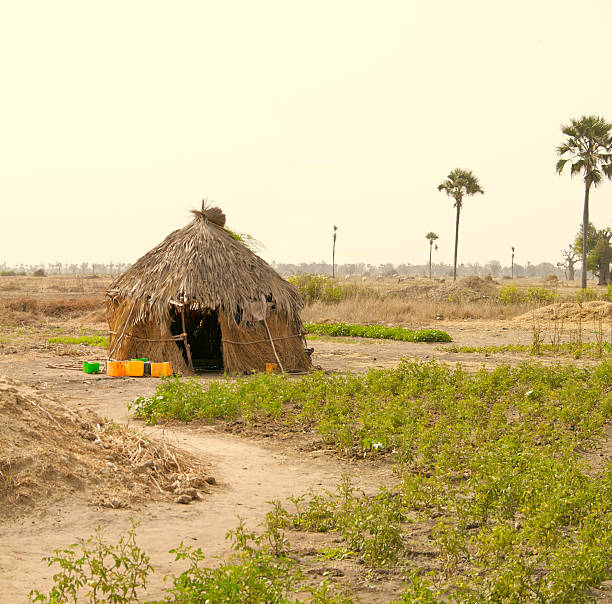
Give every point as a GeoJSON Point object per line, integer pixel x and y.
{"type": "Point", "coordinates": [538, 296]}
{"type": "Point", "coordinates": [491, 462]}
{"type": "Point", "coordinates": [494, 500]}
{"type": "Point", "coordinates": [378, 332]}
{"type": "Point", "coordinates": [97, 340]}
{"type": "Point", "coordinates": [11, 273]}
{"type": "Point", "coordinates": [575, 349]}
{"type": "Point", "coordinates": [259, 571]}
{"type": "Point", "coordinates": [511, 294]}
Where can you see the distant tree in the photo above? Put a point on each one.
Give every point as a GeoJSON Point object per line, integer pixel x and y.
{"type": "Point", "coordinates": [600, 256]}
{"type": "Point", "coordinates": [570, 256]}
{"type": "Point", "coordinates": [431, 237]}
{"type": "Point", "coordinates": [598, 251]}
{"type": "Point", "coordinates": [494, 267]}
{"type": "Point", "coordinates": [459, 183]}
{"type": "Point", "coordinates": [588, 149]}
{"type": "Point", "coordinates": [590, 240]}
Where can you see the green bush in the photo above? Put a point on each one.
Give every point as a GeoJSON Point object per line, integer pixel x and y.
{"type": "Point", "coordinates": [541, 295]}
{"type": "Point", "coordinates": [511, 294]}
{"type": "Point", "coordinates": [322, 288]}
{"type": "Point", "coordinates": [95, 571]}
{"type": "Point", "coordinates": [378, 332]}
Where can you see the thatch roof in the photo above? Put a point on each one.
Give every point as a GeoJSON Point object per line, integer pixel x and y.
{"type": "Point", "coordinates": [204, 266]}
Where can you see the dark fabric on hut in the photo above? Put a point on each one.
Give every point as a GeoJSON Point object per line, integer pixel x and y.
{"type": "Point", "coordinates": [204, 268]}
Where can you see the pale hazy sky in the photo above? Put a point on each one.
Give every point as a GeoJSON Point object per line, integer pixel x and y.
{"type": "Point", "coordinates": [119, 117]}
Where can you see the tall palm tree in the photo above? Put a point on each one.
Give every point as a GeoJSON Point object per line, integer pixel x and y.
{"type": "Point", "coordinates": [431, 237]}
{"type": "Point", "coordinates": [457, 184]}
{"type": "Point", "coordinates": [588, 149]}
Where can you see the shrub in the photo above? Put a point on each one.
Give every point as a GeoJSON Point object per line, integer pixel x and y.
{"type": "Point", "coordinates": [378, 332]}
{"type": "Point", "coordinates": [510, 294]}
{"type": "Point", "coordinates": [541, 295]}
{"type": "Point", "coordinates": [322, 288]}
{"type": "Point", "coordinates": [95, 571]}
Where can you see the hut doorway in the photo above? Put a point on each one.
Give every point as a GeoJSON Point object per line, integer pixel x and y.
{"type": "Point", "coordinates": [203, 336]}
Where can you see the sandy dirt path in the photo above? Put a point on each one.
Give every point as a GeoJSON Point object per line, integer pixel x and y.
{"type": "Point", "coordinates": [250, 476]}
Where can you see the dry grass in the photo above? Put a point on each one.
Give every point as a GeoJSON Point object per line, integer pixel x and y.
{"type": "Point", "coordinates": [416, 301]}
{"type": "Point", "coordinates": [69, 285]}
{"type": "Point", "coordinates": [29, 310]}
{"type": "Point", "coordinates": [411, 313]}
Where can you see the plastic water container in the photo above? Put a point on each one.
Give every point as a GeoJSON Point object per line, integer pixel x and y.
{"type": "Point", "coordinates": [134, 368]}
{"type": "Point", "coordinates": [271, 368]}
{"type": "Point", "coordinates": [115, 368]}
{"type": "Point", "coordinates": [89, 367]}
{"type": "Point", "coordinates": [161, 369]}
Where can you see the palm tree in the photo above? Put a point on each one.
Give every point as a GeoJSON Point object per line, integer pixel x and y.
{"type": "Point", "coordinates": [431, 237]}
{"type": "Point", "coordinates": [588, 148]}
{"type": "Point", "coordinates": [457, 184]}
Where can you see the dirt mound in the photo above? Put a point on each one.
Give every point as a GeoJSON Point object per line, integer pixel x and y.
{"type": "Point", "coordinates": [569, 311]}
{"type": "Point", "coordinates": [465, 289]}
{"type": "Point", "coordinates": [49, 452]}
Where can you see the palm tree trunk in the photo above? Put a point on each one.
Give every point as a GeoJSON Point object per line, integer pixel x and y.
{"type": "Point", "coordinates": [430, 244]}
{"type": "Point", "coordinates": [585, 227]}
{"type": "Point", "coordinates": [456, 240]}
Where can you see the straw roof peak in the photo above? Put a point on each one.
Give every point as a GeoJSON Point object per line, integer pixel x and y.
{"type": "Point", "coordinates": [210, 213]}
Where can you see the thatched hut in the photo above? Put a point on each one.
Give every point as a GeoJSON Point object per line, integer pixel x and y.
{"type": "Point", "coordinates": [204, 301]}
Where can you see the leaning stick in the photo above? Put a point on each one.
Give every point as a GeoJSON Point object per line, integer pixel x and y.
{"type": "Point", "coordinates": [273, 347]}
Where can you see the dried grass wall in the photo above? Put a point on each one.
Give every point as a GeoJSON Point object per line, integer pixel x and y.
{"type": "Point", "coordinates": [244, 349]}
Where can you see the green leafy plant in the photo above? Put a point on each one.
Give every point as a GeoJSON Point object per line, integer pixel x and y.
{"type": "Point", "coordinates": [378, 332]}
{"type": "Point", "coordinates": [96, 571]}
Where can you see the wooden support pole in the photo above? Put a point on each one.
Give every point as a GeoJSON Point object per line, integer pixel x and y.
{"type": "Point", "coordinates": [125, 325]}
{"type": "Point", "coordinates": [273, 347]}
{"type": "Point", "coordinates": [187, 347]}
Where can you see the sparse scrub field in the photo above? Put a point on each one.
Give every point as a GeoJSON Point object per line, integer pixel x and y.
{"type": "Point", "coordinates": [595, 350]}
{"type": "Point", "coordinates": [378, 332]}
{"type": "Point", "coordinates": [410, 301]}
{"type": "Point", "coordinates": [511, 294]}
{"type": "Point", "coordinates": [490, 465]}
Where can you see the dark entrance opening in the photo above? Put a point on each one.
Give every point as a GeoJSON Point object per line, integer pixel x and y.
{"type": "Point", "coordinates": [204, 338]}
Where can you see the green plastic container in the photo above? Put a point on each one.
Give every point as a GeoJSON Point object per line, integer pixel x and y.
{"type": "Point", "coordinates": [91, 367]}
{"type": "Point", "coordinates": [143, 359]}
